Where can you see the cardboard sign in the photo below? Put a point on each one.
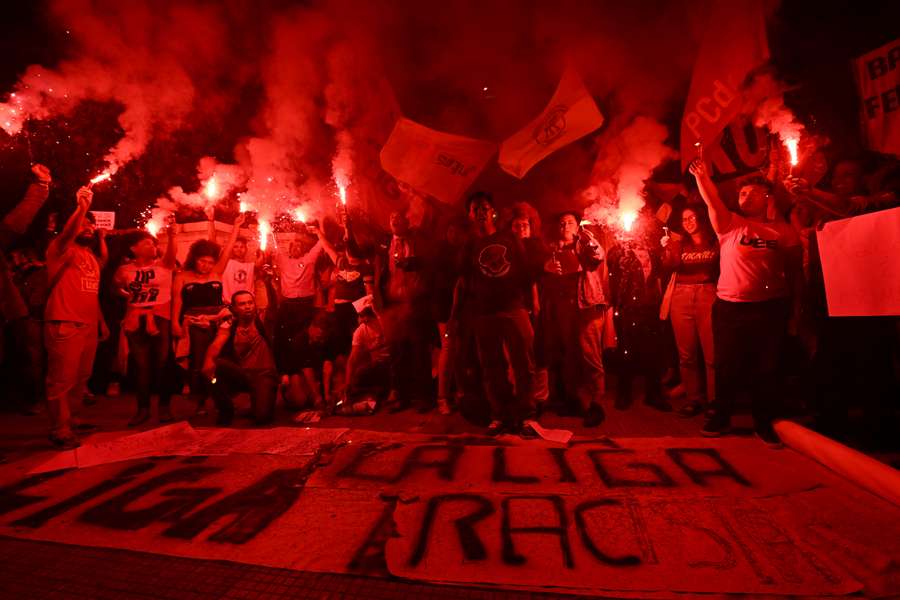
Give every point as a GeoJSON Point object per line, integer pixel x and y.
{"type": "Point", "coordinates": [878, 81]}
{"type": "Point", "coordinates": [859, 262]}
{"type": "Point", "coordinates": [105, 219]}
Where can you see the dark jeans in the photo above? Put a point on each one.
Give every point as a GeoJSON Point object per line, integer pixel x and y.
{"type": "Point", "coordinates": [409, 330]}
{"type": "Point", "coordinates": [201, 338]}
{"type": "Point", "coordinates": [641, 351]}
{"type": "Point", "coordinates": [747, 337]}
{"type": "Point", "coordinates": [292, 333]}
{"type": "Point", "coordinates": [497, 336]}
{"type": "Point", "coordinates": [232, 379]}
{"type": "Point", "coordinates": [154, 362]}
{"type": "Point", "coordinates": [373, 378]}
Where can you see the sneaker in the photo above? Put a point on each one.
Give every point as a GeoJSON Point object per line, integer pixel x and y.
{"type": "Point", "coordinates": [527, 431]}
{"type": "Point", "coordinates": [689, 410]}
{"type": "Point", "coordinates": [769, 437]}
{"type": "Point", "coordinates": [495, 428]}
{"type": "Point", "coordinates": [594, 415]}
{"type": "Point", "coordinates": [66, 441]}
{"type": "Point", "coordinates": [716, 426]}
{"type": "Point", "coordinates": [140, 417]}
{"type": "Point", "coordinates": [443, 407]}
{"type": "Point", "coordinates": [165, 415]}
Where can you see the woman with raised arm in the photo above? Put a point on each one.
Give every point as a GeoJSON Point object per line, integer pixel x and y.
{"type": "Point", "coordinates": [760, 264]}
{"type": "Point", "coordinates": [197, 305]}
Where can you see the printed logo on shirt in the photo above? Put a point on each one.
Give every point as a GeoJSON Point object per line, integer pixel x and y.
{"type": "Point", "coordinates": [348, 276]}
{"type": "Point", "coordinates": [89, 284]}
{"type": "Point", "coordinates": [759, 243]}
{"type": "Point", "coordinates": [493, 262]}
{"type": "Point", "coordinates": [240, 276]}
{"type": "Point", "coordinates": [698, 257]}
{"type": "Point", "coordinates": [142, 278]}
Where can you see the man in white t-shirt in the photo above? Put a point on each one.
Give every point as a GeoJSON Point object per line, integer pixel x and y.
{"type": "Point", "coordinates": [239, 272]}
{"type": "Point", "coordinates": [760, 264]}
{"type": "Point", "coordinates": [368, 367]}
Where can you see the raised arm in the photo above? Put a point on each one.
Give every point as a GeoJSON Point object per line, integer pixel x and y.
{"type": "Point", "coordinates": [326, 245]}
{"type": "Point", "coordinates": [719, 214]}
{"type": "Point", "coordinates": [103, 248]}
{"type": "Point", "coordinates": [177, 284]}
{"type": "Point", "coordinates": [16, 222]}
{"type": "Point", "coordinates": [169, 260]}
{"type": "Point", "coordinates": [226, 251]}
{"type": "Point", "coordinates": [61, 243]}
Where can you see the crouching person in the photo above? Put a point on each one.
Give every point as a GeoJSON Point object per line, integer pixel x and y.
{"type": "Point", "coordinates": [240, 359]}
{"type": "Point", "coordinates": [369, 365]}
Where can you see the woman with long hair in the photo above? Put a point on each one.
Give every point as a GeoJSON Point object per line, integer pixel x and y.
{"type": "Point", "coordinates": [693, 257]}
{"type": "Point", "coordinates": [197, 305]}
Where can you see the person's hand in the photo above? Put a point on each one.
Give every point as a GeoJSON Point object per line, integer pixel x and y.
{"type": "Point", "coordinates": [210, 212]}
{"type": "Point", "coordinates": [101, 233]}
{"type": "Point", "coordinates": [314, 229]}
{"type": "Point", "coordinates": [41, 174]}
{"type": "Point", "coordinates": [104, 331]}
{"type": "Point", "coordinates": [797, 186]}
{"type": "Point", "coordinates": [239, 220]}
{"type": "Point", "coordinates": [169, 221]}
{"type": "Point", "coordinates": [83, 197]}
{"type": "Point", "coordinates": [664, 241]}
{"type": "Point", "coordinates": [553, 266]}
{"type": "Point", "coordinates": [697, 168]}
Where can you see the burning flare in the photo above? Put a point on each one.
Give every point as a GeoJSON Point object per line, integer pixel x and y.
{"type": "Point", "coordinates": [628, 218]}
{"type": "Point", "coordinates": [211, 189]}
{"type": "Point", "coordinates": [152, 228]}
{"type": "Point", "coordinates": [264, 230]}
{"type": "Point", "coordinates": [342, 191]}
{"type": "Point", "coordinates": [300, 215]}
{"type": "Point", "coordinates": [791, 145]}
{"type": "Point", "coordinates": [104, 176]}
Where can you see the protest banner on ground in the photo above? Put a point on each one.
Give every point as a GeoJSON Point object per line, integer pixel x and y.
{"type": "Point", "coordinates": [648, 516]}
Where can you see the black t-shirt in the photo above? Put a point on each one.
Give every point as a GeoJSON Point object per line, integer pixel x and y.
{"type": "Point", "coordinates": [350, 280]}
{"type": "Point", "coordinates": [497, 273]}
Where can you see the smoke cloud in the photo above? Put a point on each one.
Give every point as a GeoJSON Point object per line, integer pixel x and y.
{"type": "Point", "coordinates": [295, 99]}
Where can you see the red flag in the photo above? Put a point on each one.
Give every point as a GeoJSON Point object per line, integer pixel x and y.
{"type": "Point", "coordinates": [433, 162]}
{"type": "Point", "coordinates": [878, 80]}
{"type": "Point", "coordinates": [570, 115]}
{"type": "Point", "coordinates": [734, 44]}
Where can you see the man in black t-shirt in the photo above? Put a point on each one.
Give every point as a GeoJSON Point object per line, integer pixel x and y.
{"type": "Point", "coordinates": [495, 277]}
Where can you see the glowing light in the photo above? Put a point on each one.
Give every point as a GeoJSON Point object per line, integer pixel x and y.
{"type": "Point", "coordinates": [104, 176]}
{"type": "Point", "coordinates": [300, 215]}
{"type": "Point", "coordinates": [152, 228]}
{"type": "Point", "coordinates": [243, 206]}
{"type": "Point", "coordinates": [264, 230]}
{"type": "Point", "coordinates": [628, 218]}
{"type": "Point", "coordinates": [342, 191]}
{"type": "Point", "coordinates": [791, 145]}
{"type": "Point", "coordinates": [211, 189]}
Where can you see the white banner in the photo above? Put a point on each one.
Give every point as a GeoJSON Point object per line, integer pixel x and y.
{"type": "Point", "coordinates": [878, 81]}
{"type": "Point", "coordinates": [859, 262]}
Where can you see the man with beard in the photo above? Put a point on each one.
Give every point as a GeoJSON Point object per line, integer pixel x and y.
{"type": "Point", "coordinates": [72, 320]}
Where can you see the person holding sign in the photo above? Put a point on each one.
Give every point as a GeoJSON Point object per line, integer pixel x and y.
{"type": "Point", "coordinates": [146, 283]}
{"type": "Point", "coordinates": [760, 262]}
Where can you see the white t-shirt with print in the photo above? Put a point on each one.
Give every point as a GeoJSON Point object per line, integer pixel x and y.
{"type": "Point", "coordinates": [238, 277]}
{"type": "Point", "coordinates": [753, 260]}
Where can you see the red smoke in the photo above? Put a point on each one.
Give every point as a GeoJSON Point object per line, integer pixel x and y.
{"type": "Point", "coordinates": [321, 84]}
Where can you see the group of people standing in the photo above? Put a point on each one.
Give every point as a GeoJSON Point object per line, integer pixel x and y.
{"type": "Point", "coordinates": [488, 318]}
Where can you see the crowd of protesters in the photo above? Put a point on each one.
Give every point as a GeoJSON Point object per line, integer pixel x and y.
{"type": "Point", "coordinates": [493, 315]}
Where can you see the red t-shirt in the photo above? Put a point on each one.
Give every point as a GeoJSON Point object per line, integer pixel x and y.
{"type": "Point", "coordinates": [75, 295]}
